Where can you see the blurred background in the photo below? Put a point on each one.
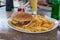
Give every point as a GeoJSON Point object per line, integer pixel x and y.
{"type": "Point", "coordinates": [43, 5]}
{"type": "Point", "coordinates": [40, 2]}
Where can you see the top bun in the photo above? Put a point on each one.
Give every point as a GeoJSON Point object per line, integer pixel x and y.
{"type": "Point", "coordinates": [21, 16]}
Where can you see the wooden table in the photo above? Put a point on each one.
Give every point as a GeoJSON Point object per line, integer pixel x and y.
{"type": "Point", "coordinates": [7, 33]}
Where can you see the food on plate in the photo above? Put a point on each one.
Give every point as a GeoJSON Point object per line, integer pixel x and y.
{"type": "Point", "coordinates": [38, 23]}
{"type": "Point", "coordinates": [43, 3]}
{"type": "Point", "coordinates": [21, 19]}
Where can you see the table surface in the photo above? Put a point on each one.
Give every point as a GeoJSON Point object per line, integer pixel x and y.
{"type": "Point", "coordinates": [7, 33]}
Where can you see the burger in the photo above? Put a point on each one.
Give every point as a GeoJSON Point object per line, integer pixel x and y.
{"type": "Point", "coordinates": [21, 19]}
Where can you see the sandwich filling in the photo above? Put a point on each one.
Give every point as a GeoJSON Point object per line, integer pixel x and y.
{"type": "Point", "coordinates": [18, 23]}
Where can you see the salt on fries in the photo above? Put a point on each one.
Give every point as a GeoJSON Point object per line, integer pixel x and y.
{"type": "Point", "coordinates": [39, 24]}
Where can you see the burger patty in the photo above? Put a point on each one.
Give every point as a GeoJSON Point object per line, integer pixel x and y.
{"type": "Point", "coordinates": [21, 23]}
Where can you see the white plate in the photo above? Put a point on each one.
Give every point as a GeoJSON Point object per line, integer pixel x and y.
{"type": "Point", "coordinates": [54, 20]}
{"type": "Point", "coordinates": [45, 8]}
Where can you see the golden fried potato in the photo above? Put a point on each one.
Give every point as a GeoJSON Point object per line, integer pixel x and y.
{"type": "Point", "coordinates": [39, 24]}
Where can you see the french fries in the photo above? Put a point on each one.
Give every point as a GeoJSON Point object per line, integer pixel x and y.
{"type": "Point", "coordinates": [39, 24]}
